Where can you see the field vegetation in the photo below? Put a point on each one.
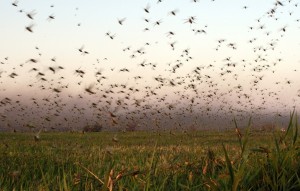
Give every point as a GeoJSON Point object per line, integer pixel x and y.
{"type": "Point", "coordinates": [237, 159]}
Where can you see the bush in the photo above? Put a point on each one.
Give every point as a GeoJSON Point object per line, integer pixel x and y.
{"type": "Point", "coordinates": [95, 128]}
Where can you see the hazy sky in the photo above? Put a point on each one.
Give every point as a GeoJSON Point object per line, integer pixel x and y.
{"type": "Point", "coordinates": [264, 63]}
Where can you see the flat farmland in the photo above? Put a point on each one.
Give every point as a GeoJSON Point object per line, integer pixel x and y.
{"type": "Point", "coordinates": [237, 159]}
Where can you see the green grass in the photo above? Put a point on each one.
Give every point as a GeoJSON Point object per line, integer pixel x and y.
{"type": "Point", "coordinates": [199, 160]}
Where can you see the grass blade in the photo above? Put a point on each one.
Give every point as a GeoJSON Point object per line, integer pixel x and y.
{"type": "Point", "coordinates": [245, 141]}
{"type": "Point", "coordinates": [296, 131]}
{"type": "Point", "coordinates": [229, 165]}
{"type": "Point", "coordinates": [239, 134]}
{"type": "Point", "coordinates": [91, 173]}
{"type": "Point", "coordinates": [289, 126]}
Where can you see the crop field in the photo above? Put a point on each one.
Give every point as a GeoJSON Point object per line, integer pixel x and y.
{"type": "Point", "coordinates": [237, 159]}
{"type": "Point", "coordinates": [149, 95]}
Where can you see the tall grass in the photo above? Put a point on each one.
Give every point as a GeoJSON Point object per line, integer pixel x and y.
{"type": "Point", "coordinates": [243, 159]}
{"type": "Point", "coordinates": [275, 167]}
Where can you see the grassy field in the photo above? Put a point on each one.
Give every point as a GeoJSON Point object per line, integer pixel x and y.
{"type": "Point", "coordinates": [199, 160]}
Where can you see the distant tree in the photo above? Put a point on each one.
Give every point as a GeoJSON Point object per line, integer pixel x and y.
{"type": "Point", "coordinates": [268, 127]}
{"type": "Point", "coordinates": [131, 127]}
{"type": "Point", "coordinates": [95, 128]}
